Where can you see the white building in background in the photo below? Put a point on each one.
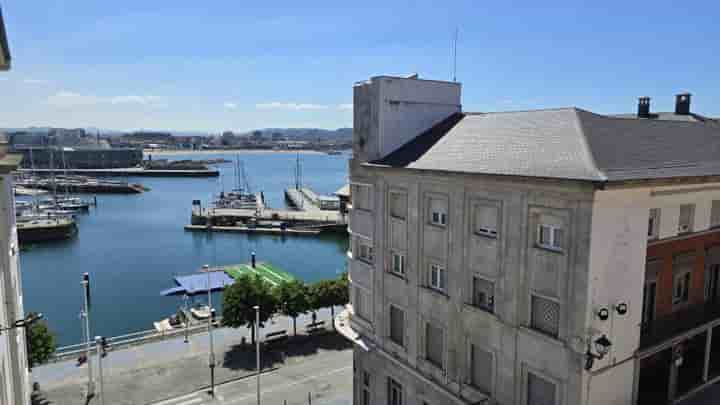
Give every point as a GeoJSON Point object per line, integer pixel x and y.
{"type": "Point", "coordinates": [14, 372]}
{"type": "Point", "coordinates": [547, 257]}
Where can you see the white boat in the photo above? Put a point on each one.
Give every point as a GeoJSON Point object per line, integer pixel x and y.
{"type": "Point", "coordinates": [200, 311]}
{"type": "Point", "coordinates": [20, 190]}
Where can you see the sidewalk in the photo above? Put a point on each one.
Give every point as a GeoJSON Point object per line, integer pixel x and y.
{"type": "Point", "coordinates": [170, 368]}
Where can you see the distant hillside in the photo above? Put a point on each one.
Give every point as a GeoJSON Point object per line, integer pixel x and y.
{"type": "Point", "coordinates": [300, 134]}
{"type": "Point", "coordinates": [306, 134]}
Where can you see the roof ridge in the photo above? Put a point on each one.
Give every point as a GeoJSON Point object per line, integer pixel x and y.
{"type": "Point", "coordinates": [518, 111]}
{"type": "Point", "coordinates": [586, 144]}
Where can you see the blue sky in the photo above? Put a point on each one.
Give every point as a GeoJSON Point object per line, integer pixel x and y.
{"type": "Point", "coordinates": [238, 65]}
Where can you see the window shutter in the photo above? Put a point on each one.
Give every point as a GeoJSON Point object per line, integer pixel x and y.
{"type": "Point", "coordinates": [481, 369]}
{"type": "Point", "coordinates": [486, 219]}
{"type": "Point", "coordinates": [715, 213]}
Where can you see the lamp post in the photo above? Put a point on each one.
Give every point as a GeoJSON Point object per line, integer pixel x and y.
{"type": "Point", "coordinates": [100, 346]}
{"type": "Point", "coordinates": [186, 318]}
{"type": "Point", "coordinates": [85, 314]}
{"type": "Point", "coordinates": [257, 349]}
{"type": "Point", "coordinates": [211, 359]}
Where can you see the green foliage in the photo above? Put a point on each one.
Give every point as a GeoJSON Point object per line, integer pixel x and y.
{"type": "Point", "coordinates": [41, 343]}
{"type": "Point", "coordinates": [240, 298]}
{"type": "Point", "coordinates": [293, 298]}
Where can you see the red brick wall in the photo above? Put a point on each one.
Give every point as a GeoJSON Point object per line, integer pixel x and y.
{"type": "Point", "coordinates": [665, 250]}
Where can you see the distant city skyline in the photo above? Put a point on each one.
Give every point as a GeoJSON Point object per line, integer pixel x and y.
{"type": "Point", "coordinates": [235, 66]}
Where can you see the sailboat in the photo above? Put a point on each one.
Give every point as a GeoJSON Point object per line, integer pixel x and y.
{"type": "Point", "coordinates": [241, 196]}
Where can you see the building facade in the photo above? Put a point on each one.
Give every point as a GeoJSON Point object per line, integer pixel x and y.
{"type": "Point", "coordinates": [14, 371]}
{"type": "Point", "coordinates": [502, 258]}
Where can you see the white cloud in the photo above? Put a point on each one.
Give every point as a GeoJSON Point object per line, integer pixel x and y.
{"type": "Point", "coordinates": [345, 106]}
{"type": "Point", "coordinates": [35, 81]}
{"type": "Point", "coordinates": [144, 100]}
{"type": "Point", "coordinates": [290, 106]}
{"type": "Point", "coordinates": [71, 99]}
{"type": "Point", "coordinates": [230, 106]}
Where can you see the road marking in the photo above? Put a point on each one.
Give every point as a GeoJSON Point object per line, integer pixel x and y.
{"type": "Point", "coordinates": [292, 384]}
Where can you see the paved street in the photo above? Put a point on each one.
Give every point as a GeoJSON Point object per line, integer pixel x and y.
{"type": "Point", "coordinates": [158, 371]}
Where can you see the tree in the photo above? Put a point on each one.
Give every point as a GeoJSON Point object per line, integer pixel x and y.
{"type": "Point", "coordinates": [330, 293]}
{"type": "Point", "coordinates": [293, 297]}
{"type": "Point", "coordinates": [240, 298]}
{"type": "Point", "coordinates": [40, 342]}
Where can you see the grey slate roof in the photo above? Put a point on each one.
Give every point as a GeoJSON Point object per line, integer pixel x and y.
{"type": "Point", "coordinates": [566, 143]}
{"type": "Point", "coordinates": [4, 48]}
{"type": "Point", "coordinates": [671, 116]}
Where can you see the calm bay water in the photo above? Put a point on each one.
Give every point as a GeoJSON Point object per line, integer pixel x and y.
{"type": "Point", "coordinates": [132, 246]}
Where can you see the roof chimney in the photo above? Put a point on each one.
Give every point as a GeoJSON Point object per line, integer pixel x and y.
{"type": "Point", "coordinates": [643, 107]}
{"type": "Point", "coordinates": [682, 104]}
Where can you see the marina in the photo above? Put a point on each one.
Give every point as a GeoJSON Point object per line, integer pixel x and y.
{"type": "Point", "coordinates": [133, 246]}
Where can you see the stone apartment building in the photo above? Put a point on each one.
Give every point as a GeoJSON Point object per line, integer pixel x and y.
{"type": "Point", "coordinates": [547, 257]}
{"type": "Point", "coordinates": [14, 372]}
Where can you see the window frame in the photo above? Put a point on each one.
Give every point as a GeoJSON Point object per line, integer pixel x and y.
{"type": "Point", "coordinates": [553, 238]}
{"type": "Point", "coordinates": [441, 363]}
{"type": "Point", "coordinates": [485, 230]}
{"type": "Point", "coordinates": [441, 276]}
{"type": "Point", "coordinates": [473, 302]}
{"type": "Point", "coordinates": [353, 192]}
{"type": "Point", "coordinates": [438, 218]}
{"type": "Point", "coordinates": [556, 385]}
{"type": "Point", "coordinates": [368, 258]}
{"type": "Point", "coordinates": [471, 370]}
{"type": "Point", "coordinates": [685, 277]}
{"type": "Point", "coordinates": [691, 219]}
{"type": "Point", "coordinates": [402, 262]}
{"type": "Point", "coordinates": [393, 383]}
{"type": "Point", "coordinates": [532, 324]}
{"type": "Point", "coordinates": [390, 326]}
{"type": "Point", "coordinates": [401, 194]}
{"type": "Point", "coordinates": [654, 216]}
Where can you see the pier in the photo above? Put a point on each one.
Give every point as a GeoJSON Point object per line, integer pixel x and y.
{"type": "Point", "coordinates": [268, 220]}
{"type": "Point", "coordinates": [130, 171]}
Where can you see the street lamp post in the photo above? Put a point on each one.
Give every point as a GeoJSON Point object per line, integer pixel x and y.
{"type": "Point", "coordinates": [186, 318]}
{"type": "Point", "coordinates": [211, 359]}
{"type": "Point", "coordinates": [257, 349]}
{"type": "Point", "coordinates": [100, 349]}
{"type": "Point", "coordinates": [85, 314]}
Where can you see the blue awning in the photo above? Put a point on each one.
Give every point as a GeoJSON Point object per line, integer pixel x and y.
{"type": "Point", "coordinates": [198, 283]}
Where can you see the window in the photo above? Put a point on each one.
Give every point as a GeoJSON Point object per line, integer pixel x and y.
{"type": "Point", "coordinates": [715, 214]}
{"type": "Point", "coordinates": [397, 325]}
{"type": "Point", "coordinates": [434, 345]}
{"type": "Point", "coordinates": [483, 295]}
{"type": "Point", "coordinates": [545, 316]}
{"type": "Point", "coordinates": [550, 237]}
{"type": "Point", "coordinates": [654, 223]}
{"type": "Point", "coordinates": [540, 391]}
{"type": "Point", "coordinates": [648, 314]}
{"type": "Point", "coordinates": [681, 288]}
{"type": "Point", "coordinates": [438, 212]}
{"type": "Point", "coordinates": [437, 277]}
{"type": "Point", "coordinates": [362, 197]}
{"type": "Point", "coordinates": [365, 252]}
{"type": "Point", "coordinates": [361, 305]}
{"type": "Point", "coordinates": [687, 213]}
{"type": "Point", "coordinates": [365, 393]}
{"type": "Point", "coordinates": [486, 221]}
{"type": "Point", "coordinates": [481, 366]}
{"type": "Point", "coordinates": [398, 205]}
{"type": "Point", "coordinates": [395, 392]}
{"type": "Point", "coordinates": [398, 264]}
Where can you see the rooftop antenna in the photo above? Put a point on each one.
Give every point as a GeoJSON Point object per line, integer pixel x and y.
{"type": "Point", "coordinates": [455, 55]}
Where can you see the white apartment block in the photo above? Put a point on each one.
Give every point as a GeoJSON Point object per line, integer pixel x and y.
{"type": "Point", "coordinates": [14, 372]}
{"type": "Point", "coordinates": [502, 258]}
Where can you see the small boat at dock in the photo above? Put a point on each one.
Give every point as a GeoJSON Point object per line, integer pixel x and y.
{"type": "Point", "coordinates": [34, 229]}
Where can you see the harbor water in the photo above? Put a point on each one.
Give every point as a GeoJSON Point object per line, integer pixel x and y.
{"type": "Point", "coordinates": [133, 245]}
